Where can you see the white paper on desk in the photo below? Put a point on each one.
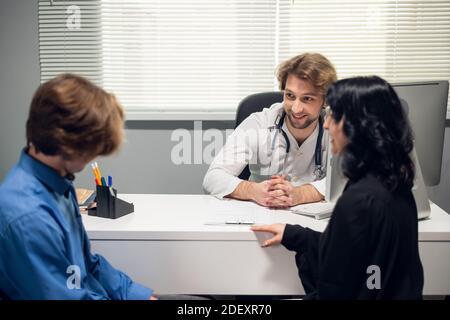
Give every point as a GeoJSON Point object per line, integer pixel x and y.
{"type": "Point", "coordinates": [235, 210]}
{"type": "Point", "coordinates": [222, 217]}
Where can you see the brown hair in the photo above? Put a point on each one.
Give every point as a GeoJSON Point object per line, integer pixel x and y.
{"type": "Point", "coordinates": [70, 116]}
{"type": "Point", "coordinates": [313, 67]}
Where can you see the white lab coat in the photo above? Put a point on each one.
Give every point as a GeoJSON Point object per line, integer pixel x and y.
{"type": "Point", "coordinates": [264, 150]}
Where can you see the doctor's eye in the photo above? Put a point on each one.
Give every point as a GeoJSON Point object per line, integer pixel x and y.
{"type": "Point", "coordinates": [289, 95]}
{"type": "Point", "coordinates": [308, 99]}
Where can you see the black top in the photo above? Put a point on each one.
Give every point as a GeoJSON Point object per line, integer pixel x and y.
{"type": "Point", "coordinates": [372, 235]}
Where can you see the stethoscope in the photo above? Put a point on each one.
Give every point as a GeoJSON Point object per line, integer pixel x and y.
{"type": "Point", "coordinates": [319, 171]}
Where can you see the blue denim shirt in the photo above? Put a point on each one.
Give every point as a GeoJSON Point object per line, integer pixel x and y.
{"type": "Point", "coordinates": [44, 248]}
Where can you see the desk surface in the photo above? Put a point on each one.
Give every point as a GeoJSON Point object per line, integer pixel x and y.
{"type": "Point", "coordinates": [166, 245]}
{"type": "Point", "coordinates": [184, 217]}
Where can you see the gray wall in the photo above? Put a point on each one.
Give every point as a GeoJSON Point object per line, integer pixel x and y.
{"type": "Point", "coordinates": [19, 75]}
{"type": "Point", "coordinates": [144, 164]}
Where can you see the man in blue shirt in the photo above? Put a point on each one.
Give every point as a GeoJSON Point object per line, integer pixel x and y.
{"type": "Point", "coordinates": [44, 248]}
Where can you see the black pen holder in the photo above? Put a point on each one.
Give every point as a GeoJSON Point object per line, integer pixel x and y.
{"type": "Point", "coordinates": [108, 205]}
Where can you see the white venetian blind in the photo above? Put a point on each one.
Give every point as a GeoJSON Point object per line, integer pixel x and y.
{"type": "Point", "coordinates": [400, 40]}
{"type": "Point", "coordinates": [179, 59]}
{"type": "Point", "coordinates": [193, 58]}
{"type": "Point", "coordinates": [69, 44]}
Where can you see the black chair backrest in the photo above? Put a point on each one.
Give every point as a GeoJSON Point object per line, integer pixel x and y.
{"type": "Point", "coordinates": [251, 104]}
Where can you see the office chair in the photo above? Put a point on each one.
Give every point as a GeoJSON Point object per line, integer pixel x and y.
{"type": "Point", "coordinates": [251, 104]}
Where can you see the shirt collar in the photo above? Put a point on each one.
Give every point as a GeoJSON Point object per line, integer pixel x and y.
{"type": "Point", "coordinates": [44, 173]}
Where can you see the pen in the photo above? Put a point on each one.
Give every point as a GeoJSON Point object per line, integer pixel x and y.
{"type": "Point", "coordinates": [95, 172]}
{"type": "Point", "coordinates": [239, 222]}
{"type": "Point", "coordinates": [109, 181]}
{"type": "Point", "coordinates": [103, 181]}
{"type": "Point", "coordinates": [98, 170]}
{"type": "Point", "coordinates": [231, 222]}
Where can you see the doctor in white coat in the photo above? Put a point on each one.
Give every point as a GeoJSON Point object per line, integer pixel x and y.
{"type": "Point", "coordinates": [284, 145]}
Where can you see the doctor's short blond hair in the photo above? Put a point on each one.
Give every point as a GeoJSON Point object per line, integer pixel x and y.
{"type": "Point", "coordinates": [313, 67]}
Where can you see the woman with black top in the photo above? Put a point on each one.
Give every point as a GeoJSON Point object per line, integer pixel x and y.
{"type": "Point", "coordinates": [369, 249]}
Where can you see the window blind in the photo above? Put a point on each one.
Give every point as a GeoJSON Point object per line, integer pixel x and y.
{"type": "Point", "coordinates": [179, 60]}
{"type": "Point", "coordinates": [399, 40]}
{"type": "Point", "coordinates": [65, 46]}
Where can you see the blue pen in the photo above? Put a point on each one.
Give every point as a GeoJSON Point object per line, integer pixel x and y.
{"type": "Point", "coordinates": [110, 181]}
{"type": "Point", "coordinates": [103, 181]}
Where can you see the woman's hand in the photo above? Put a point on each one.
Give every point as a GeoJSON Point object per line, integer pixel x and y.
{"type": "Point", "coordinates": [277, 229]}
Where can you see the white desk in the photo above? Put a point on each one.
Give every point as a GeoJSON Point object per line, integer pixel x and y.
{"type": "Point", "coordinates": [166, 245]}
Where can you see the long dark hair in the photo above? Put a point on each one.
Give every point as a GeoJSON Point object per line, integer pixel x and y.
{"type": "Point", "coordinates": [379, 135]}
